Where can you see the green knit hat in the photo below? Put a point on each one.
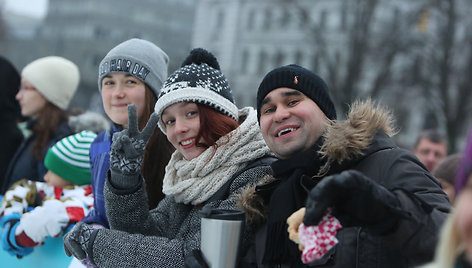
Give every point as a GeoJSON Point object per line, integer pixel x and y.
{"type": "Point", "coordinates": [69, 158]}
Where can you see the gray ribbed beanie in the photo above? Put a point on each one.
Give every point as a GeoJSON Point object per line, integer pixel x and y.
{"type": "Point", "coordinates": [140, 58]}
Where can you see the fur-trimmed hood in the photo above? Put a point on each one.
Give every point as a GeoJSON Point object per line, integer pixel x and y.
{"type": "Point", "coordinates": [344, 141]}
{"type": "Point", "coordinates": [349, 139]}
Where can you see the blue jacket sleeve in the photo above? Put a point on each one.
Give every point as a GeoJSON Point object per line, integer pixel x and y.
{"type": "Point", "coordinates": [100, 163]}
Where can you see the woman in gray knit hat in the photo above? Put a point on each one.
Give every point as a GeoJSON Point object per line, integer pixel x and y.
{"type": "Point", "coordinates": [216, 145]}
{"type": "Point", "coordinates": [131, 73]}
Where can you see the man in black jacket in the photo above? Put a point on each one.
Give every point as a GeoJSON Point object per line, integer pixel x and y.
{"type": "Point", "coordinates": [390, 207]}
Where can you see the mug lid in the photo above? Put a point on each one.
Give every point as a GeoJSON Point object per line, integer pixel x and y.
{"type": "Point", "coordinates": [222, 214]}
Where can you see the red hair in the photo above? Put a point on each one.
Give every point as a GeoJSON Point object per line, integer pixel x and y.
{"type": "Point", "coordinates": [156, 155]}
{"type": "Point", "coordinates": [213, 126]}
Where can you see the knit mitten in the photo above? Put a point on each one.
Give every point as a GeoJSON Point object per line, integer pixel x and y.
{"type": "Point", "coordinates": [356, 201]}
{"type": "Point", "coordinates": [79, 241]}
{"type": "Point", "coordinates": [316, 241]}
{"type": "Point", "coordinates": [86, 262]}
{"type": "Point", "coordinates": [127, 150]}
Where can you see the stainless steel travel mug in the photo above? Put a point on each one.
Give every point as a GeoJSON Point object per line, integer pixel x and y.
{"type": "Point", "coordinates": [221, 232]}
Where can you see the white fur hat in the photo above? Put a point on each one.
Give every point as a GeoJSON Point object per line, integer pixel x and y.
{"type": "Point", "coordinates": [56, 78]}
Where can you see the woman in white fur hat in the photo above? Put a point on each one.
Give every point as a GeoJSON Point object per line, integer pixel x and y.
{"type": "Point", "coordinates": [47, 86]}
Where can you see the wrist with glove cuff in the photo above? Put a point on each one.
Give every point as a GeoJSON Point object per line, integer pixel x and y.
{"type": "Point", "coordinates": [123, 181]}
{"type": "Point", "coordinates": [127, 150]}
{"type": "Point", "coordinates": [79, 242]}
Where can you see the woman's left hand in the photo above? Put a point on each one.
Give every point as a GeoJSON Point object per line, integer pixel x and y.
{"type": "Point", "coordinates": [127, 149]}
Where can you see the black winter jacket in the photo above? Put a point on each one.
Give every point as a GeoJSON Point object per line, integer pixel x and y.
{"type": "Point", "coordinates": [10, 134]}
{"type": "Point", "coordinates": [24, 166]}
{"type": "Point", "coordinates": [414, 240]}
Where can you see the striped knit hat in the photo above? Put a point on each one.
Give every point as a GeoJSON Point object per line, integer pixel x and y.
{"type": "Point", "coordinates": [69, 158]}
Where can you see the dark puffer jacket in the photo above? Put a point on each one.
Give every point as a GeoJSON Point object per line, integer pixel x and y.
{"type": "Point", "coordinates": [24, 166]}
{"type": "Point", "coordinates": [361, 143]}
{"type": "Point", "coordinates": [9, 115]}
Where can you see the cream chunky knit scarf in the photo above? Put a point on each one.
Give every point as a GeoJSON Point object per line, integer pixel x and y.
{"type": "Point", "coordinates": [195, 181]}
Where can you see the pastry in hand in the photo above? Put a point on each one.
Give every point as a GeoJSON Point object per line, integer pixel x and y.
{"type": "Point", "coordinates": [294, 222]}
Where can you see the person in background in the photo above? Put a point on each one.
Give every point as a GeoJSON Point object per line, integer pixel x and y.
{"type": "Point", "coordinates": [430, 148]}
{"type": "Point", "coordinates": [216, 144]}
{"type": "Point", "coordinates": [131, 73]}
{"type": "Point", "coordinates": [47, 86]}
{"type": "Point", "coordinates": [464, 171]}
{"type": "Point", "coordinates": [10, 114]}
{"type": "Point", "coordinates": [446, 172]}
{"type": "Point", "coordinates": [383, 205]}
{"type": "Point", "coordinates": [31, 211]}
{"type": "Point", "coordinates": [454, 249]}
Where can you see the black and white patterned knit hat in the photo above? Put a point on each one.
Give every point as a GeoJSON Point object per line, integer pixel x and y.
{"type": "Point", "coordinates": [199, 80]}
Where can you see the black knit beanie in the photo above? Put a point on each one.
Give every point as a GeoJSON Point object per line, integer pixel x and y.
{"type": "Point", "coordinates": [301, 79]}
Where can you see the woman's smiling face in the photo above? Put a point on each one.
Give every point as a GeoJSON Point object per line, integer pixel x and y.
{"type": "Point", "coordinates": [182, 122]}
{"type": "Point", "coordinates": [119, 90]}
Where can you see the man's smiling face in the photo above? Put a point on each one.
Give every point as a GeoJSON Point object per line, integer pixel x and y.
{"type": "Point", "coordinates": [290, 121]}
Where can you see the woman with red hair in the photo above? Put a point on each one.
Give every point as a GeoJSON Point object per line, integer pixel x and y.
{"type": "Point", "coordinates": [216, 148]}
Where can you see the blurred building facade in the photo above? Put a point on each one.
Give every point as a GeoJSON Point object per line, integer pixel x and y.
{"type": "Point", "coordinates": [392, 58]}
{"type": "Point", "coordinates": [84, 31]}
{"type": "Point", "coordinates": [252, 37]}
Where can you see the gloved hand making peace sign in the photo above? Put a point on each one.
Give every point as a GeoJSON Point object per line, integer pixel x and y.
{"type": "Point", "coordinates": [127, 150]}
{"type": "Point", "coordinates": [126, 158]}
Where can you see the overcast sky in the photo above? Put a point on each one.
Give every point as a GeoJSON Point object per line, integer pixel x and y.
{"type": "Point", "coordinates": [33, 8]}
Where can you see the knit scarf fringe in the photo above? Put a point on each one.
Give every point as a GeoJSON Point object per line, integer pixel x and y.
{"type": "Point", "coordinates": [279, 248]}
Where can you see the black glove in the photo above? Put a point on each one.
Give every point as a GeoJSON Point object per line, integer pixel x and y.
{"type": "Point", "coordinates": [127, 150]}
{"type": "Point", "coordinates": [79, 241]}
{"type": "Point", "coordinates": [356, 201]}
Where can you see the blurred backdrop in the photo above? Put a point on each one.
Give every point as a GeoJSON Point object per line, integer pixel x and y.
{"type": "Point", "coordinates": [413, 56]}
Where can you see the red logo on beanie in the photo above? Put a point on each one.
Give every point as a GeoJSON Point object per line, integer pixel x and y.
{"type": "Point", "coordinates": [295, 80]}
